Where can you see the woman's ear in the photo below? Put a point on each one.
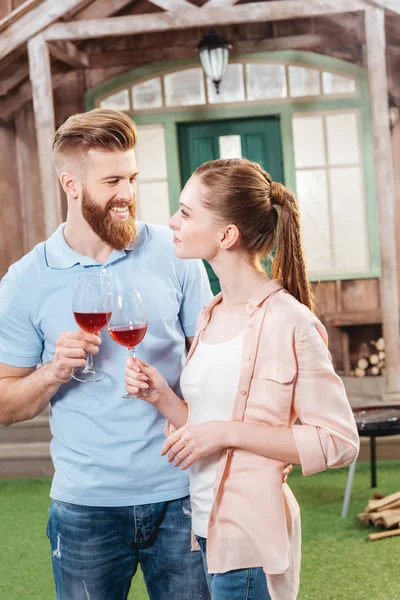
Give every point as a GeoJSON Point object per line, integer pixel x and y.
{"type": "Point", "coordinates": [229, 236]}
{"type": "Point", "coordinates": [69, 185]}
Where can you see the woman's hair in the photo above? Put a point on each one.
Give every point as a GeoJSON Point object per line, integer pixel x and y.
{"type": "Point", "coordinates": [99, 129]}
{"type": "Point", "coordinates": [266, 213]}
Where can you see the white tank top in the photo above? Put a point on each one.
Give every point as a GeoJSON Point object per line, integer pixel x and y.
{"type": "Point", "coordinates": [209, 385]}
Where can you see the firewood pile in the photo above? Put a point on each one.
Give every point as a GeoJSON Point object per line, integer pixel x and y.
{"type": "Point", "coordinates": [372, 361]}
{"type": "Point", "coordinates": [382, 512]}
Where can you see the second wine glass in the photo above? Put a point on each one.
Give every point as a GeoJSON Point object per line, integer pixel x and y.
{"type": "Point", "coordinates": [128, 322]}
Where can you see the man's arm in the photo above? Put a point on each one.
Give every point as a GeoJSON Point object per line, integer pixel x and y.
{"type": "Point", "coordinates": [26, 391]}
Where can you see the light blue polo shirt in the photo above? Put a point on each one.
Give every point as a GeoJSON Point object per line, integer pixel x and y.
{"type": "Point", "coordinates": [105, 449]}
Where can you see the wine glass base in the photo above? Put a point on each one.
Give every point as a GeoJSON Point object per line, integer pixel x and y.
{"type": "Point", "coordinates": [85, 375]}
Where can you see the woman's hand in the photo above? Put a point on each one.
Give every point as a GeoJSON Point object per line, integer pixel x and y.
{"type": "Point", "coordinates": [286, 472]}
{"type": "Point", "coordinates": [144, 381]}
{"type": "Point", "coordinates": [192, 442]}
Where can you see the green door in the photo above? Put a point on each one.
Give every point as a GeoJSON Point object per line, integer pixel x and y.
{"type": "Point", "coordinates": [257, 139]}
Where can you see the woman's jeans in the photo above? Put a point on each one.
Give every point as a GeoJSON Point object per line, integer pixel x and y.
{"type": "Point", "coordinates": [241, 584]}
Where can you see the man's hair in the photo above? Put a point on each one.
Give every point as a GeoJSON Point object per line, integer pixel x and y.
{"type": "Point", "coordinates": [99, 129]}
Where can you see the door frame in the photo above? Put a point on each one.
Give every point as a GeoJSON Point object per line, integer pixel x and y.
{"type": "Point", "coordinates": [184, 139]}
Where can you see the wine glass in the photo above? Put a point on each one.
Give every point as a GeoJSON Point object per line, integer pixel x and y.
{"type": "Point", "coordinates": [91, 306]}
{"type": "Point", "coordinates": [128, 322]}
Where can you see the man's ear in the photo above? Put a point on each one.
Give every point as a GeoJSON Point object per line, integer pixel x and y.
{"type": "Point", "coordinates": [69, 184]}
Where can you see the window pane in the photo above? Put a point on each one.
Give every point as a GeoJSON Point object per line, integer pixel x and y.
{"type": "Point", "coordinates": [343, 144]}
{"type": "Point", "coordinates": [147, 94]}
{"type": "Point", "coordinates": [337, 84]}
{"type": "Point", "coordinates": [314, 213]}
{"type": "Point", "coordinates": [118, 101]}
{"type": "Point", "coordinates": [185, 88]}
{"type": "Point", "coordinates": [150, 152]}
{"type": "Point", "coordinates": [308, 140]}
{"type": "Point", "coordinates": [349, 219]}
{"type": "Point", "coordinates": [265, 81]}
{"type": "Point", "coordinates": [231, 88]}
{"type": "Point", "coordinates": [230, 146]}
{"type": "Point", "coordinates": [304, 82]}
{"type": "Point", "coordinates": [153, 204]}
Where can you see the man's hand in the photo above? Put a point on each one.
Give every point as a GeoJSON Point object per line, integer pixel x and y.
{"type": "Point", "coordinates": [72, 348]}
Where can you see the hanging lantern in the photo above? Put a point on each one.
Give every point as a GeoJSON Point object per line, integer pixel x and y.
{"type": "Point", "coordinates": [214, 55]}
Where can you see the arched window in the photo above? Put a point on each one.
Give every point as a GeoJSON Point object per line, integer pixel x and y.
{"type": "Point", "coordinates": [322, 104]}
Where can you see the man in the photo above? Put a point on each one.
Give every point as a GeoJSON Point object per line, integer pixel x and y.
{"type": "Point", "coordinates": [116, 501]}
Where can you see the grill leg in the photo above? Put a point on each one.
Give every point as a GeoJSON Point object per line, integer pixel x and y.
{"type": "Point", "coordinates": [373, 461]}
{"type": "Point", "coordinates": [349, 485]}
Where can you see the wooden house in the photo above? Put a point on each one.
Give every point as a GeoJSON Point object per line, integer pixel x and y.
{"type": "Point", "coordinates": [306, 93]}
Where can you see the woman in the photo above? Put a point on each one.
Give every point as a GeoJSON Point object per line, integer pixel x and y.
{"type": "Point", "coordinates": [258, 362]}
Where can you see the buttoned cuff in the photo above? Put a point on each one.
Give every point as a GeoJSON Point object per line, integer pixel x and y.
{"type": "Point", "coordinates": [312, 457]}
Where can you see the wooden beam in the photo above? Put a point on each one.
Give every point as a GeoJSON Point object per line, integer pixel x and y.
{"type": "Point", "coordinates": [12, 103]}
{"type": "Point", "coordinates": [32, 23]}
{"type": "Point", "coordinates": [219, 3]}
{"type": "Point", "coordinates": [101, 8]}
{"type": "Point", "coordinates": [390, 5]}
{"type": "Point", "coordinates": [43, 106]}
{"type": "Point", "coordinates": [148, 55]}
{"type": "Point", "coordinates": [244, 13]}
{"type": "Point", "coordinates": [13, 80]}
{"type": "Point", "coordinates": [18, 13]}
{"type": "Point", "coordinates": [69, 54]}
{"type": "Point", "coordinates": [173, 5]}
{"type": "Point", "coordinates": [378, 87]}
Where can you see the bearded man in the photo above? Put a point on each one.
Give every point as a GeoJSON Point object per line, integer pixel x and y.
{"type": "Point", "coordinates": [116, 503]}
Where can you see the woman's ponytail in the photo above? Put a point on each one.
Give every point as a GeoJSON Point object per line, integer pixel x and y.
{"type": "Point", "coordinates": [289, 264]}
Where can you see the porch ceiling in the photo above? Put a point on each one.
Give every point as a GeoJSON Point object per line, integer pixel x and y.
{"type": "Point", "coordinates": [149, 30]}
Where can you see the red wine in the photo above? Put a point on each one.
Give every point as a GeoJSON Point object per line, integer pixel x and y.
{"type": "Point", "coordinates": [128, 335]}
{"type": "Point", "coordinates": [92, 322]}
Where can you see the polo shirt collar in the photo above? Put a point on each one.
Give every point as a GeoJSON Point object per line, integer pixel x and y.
{"type": "Point", "coordinates": [59, 255]}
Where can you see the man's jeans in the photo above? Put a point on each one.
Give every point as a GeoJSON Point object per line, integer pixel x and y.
{"type": "Point", "coordinates": [96, 551]}
{"type": "Point", "coordinates": [241, 584]}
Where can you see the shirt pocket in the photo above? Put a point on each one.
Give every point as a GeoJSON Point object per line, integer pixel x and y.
{"type": "Point", "coordinates": [271, 393]}
{"type": "Point", "coordinates": [274, 371]}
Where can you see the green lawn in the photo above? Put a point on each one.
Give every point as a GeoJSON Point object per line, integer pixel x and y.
{"type": "Point", "coordinates": [338, 562]}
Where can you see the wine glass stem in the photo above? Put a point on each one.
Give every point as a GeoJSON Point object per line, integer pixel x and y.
{"type": "Point", "coordinates": [132, 352]}
{"type": "Point", "coordinates": [90, 361]}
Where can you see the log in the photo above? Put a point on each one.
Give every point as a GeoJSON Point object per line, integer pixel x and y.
{"type": "Point", "coordinates": [358, 372]}
{"type": "Point", "coordinates": [383, 534]}
{"type": "Point", "coordinates": [374, 371]}
{"type": "Point", "coordinates": [381, 504]}
{"type": "Point", "coordinates": [362, 363]}
{"type": "Point", "coordinates": [374, 359]}
{"type": "Point", "coordinates": [380, 344]}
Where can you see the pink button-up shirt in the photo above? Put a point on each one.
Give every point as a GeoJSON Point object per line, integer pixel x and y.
{"type": "Point", "coordinates": [286, 373]}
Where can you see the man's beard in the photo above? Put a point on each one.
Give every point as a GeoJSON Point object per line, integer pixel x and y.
{"type": "Point", "coordinates": [117, 234]}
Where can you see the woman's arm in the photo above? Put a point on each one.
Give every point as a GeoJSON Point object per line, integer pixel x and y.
{"type": "Point", "coordinates": [192, 442]}
{"type": "Point", "coordinates": [328, 435]}
{"type": "Point", "coordinates": [273, 442]}
{"type": "Point", "coordinates": [145, 382]}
